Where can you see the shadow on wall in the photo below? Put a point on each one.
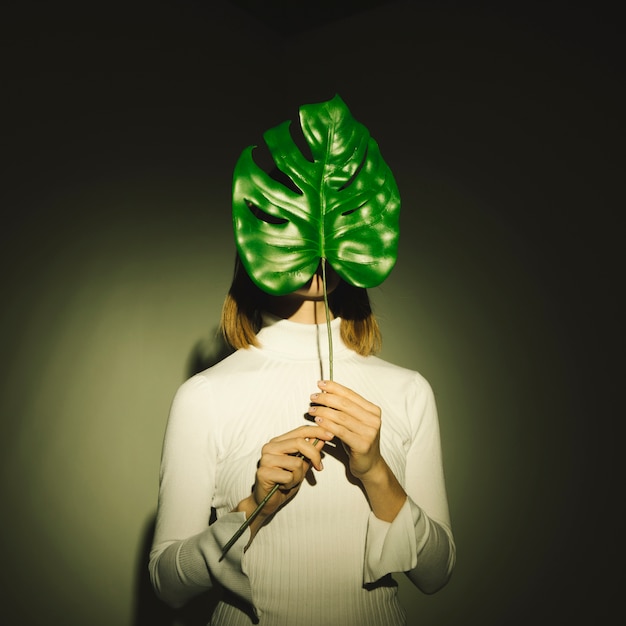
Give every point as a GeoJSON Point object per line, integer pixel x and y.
{"type": "Point", "coordinates": [148, 609]}
{"type": "Point", "coordinates": [207, 353]}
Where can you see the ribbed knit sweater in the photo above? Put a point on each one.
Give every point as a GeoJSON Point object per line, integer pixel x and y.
{"type": "Point", "coordinates": [324, 559]}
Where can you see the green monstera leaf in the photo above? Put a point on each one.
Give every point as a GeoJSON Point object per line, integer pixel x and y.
{"type": "Point", "coordinates": [344, 207]}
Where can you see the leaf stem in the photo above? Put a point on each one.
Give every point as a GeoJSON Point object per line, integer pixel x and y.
{"type": "Point", "coordinates": [248, 521]}
{"type": "Point", "coordinates": [273, 490]}
{"type": "Point", "coordinates": [328, 327]}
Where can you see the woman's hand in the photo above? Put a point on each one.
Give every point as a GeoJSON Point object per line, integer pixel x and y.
{"type": "Point", "coordinates": [282, 464]}
{"type": "Point", "coordinates": [354, 420]}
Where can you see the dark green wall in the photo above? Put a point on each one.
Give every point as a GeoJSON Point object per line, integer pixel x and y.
{"type": "Point", "coordinates": [120, 131]}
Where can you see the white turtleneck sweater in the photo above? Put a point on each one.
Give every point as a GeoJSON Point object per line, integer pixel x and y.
{"type": "Point", "coordinates": [324, 559]}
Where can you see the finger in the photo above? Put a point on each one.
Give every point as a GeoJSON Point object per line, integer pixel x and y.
{"type": "Point", "coordinates": [289, 452]}
{"type": "Point", "coordinates": [288, 473]}
{"type": "Point", "coordinates": [358, 436]}
{"type": "Point", "coordinates": [267, 477]}
{"type": "Point", "coordinates": [307, 431]}
{"type": "Point", "coordinates": [336, 390]}
{"type": "Point", "coordinates": [342, 410]}
{"type": "Point", "coordinates": [285, 462]}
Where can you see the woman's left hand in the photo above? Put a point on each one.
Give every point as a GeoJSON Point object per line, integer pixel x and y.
{"type": "Point", "coordinates": [352, 419]}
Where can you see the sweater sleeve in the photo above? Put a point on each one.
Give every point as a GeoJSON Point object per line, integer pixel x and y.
{"type": "Point", "coordinates": [184, 559]}
{"type": "Point", "coordinates": [419, 540]}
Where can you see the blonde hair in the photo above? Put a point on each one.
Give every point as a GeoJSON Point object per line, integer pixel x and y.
{"type": "Point", "coordinates": [241, 318]}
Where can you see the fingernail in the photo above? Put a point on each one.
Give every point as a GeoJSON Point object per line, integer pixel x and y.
{"type": "Point", "coordinates": [318, 419]}
{"type": "Point", "coordinates": [322, 383]}
{"type": "Point", "coordinates": [314, 396]}
{"type": "Point", "coordinates": [312, 409]}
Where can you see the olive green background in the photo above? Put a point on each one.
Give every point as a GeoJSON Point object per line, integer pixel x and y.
{"type": "Point", "coordinates": [504, 131]}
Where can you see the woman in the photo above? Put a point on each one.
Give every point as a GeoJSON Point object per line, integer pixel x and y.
{"type": "Point", "coordinates": [358, 462]}
{"type": "Point", "coordinates": [352, 463]}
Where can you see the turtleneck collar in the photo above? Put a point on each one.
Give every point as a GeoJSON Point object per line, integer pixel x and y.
{"type": "Point", "coordinates": [300, 341]}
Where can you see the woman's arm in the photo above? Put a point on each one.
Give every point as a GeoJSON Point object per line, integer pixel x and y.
{"type": "Point", "coordinates": [187, 552]}
{"type": "Point", "coordinates": [185, 549]}
{"type": "Point", "coordinates": [284, 461]}
{"type": "Point", "coordinates": [401, 534]}
{"type": "Point", "coordinates": [356, 422]}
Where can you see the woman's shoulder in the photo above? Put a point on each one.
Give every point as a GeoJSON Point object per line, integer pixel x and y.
{"type": "Point", "coordinates": [209, 388]}
{"type": "Point", "coordinates": [397, 372]}
{"type": "Point", "coordinates": [233, 366]}
{"type": "Point", "coordinates": [381, 380]}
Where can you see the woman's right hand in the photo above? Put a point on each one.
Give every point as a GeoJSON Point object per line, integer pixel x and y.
{"type": "Point", "coordinates": [281, 464]}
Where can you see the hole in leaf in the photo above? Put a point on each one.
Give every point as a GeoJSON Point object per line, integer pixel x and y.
{"type": "Point", "coordinates": [350, 211]}
{"type": "Point", "coordinates": [262, 157]}
{"type": "Point", "coordinates": [283, 179]}
{"type": "Point", "coordinates": [299, 139]}
{"type": "Point", "coordinates": [263, 216]}
{"type": "Point", "coordinates": [357, 171]}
